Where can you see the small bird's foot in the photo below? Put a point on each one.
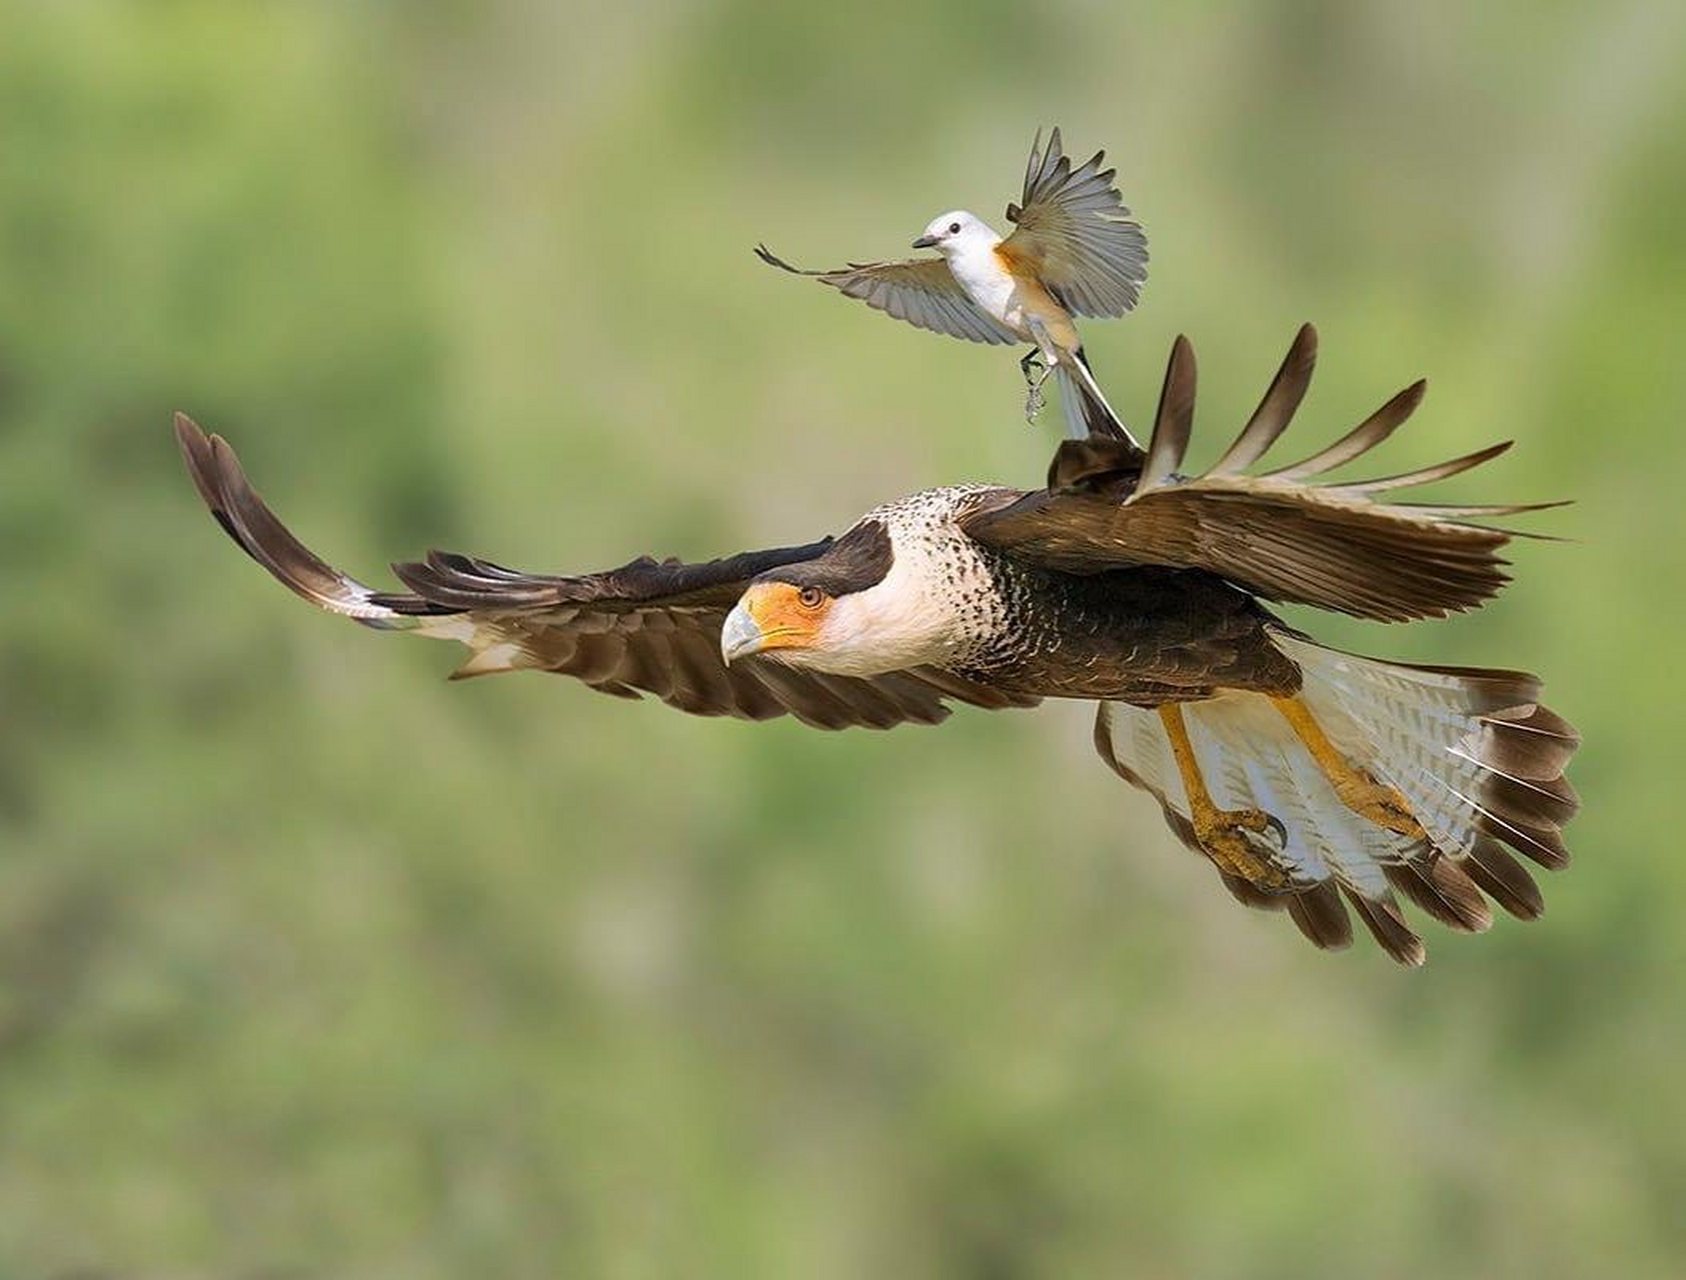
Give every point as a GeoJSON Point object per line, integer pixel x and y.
{"type": "Point", "coordinates": [1036, 370]}
{"type": "Point", "coordinates": [1247, 844]}
{"type": "Point", "coordinates": [1033, 367]}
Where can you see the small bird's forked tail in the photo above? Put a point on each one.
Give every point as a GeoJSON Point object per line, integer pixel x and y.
{"type": "Point", "coordinates": [1086, 410]}
{"type": "Point", "coordinates": [1471, 754]}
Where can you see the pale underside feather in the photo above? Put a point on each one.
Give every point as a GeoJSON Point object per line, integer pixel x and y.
{"type": "Point", "coordinates": [1475, 757]}
{"type": "Point", "coordinates": [921, 291]}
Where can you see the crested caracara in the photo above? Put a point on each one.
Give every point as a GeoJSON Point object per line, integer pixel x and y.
{"type": "Point", "coordinates": [1312, 779]}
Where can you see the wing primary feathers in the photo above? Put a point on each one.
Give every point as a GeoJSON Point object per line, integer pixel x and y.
{"type": "Point", "coordinates": [1031, 166]}
{"type": "Point", "coordinates": [921, 291]}
{"type": "Point", "coordinates": [1175, 419]}
{"type": "Point", "coordinates": [1052, 159]}
{"type": "Point", "coordinates": [773, 260]}
{"type": "Point", "coordinates": [217, 475]}
{"type": "Point", "coordinates": [1361, 439]}
{"type": "Point", "coordinates": [1276, 409]}
{"type": "Point", "coordinates": [1426, 475]}
{"type": "Point", "coordinates": [1278, 535]}
{"type": "Point", "coordinates": [1074, 230]}
{"type": "Point", "coordinates": [648, 626]}
{"type": "Point", "coordinates": [196, 452]}
{"type": "Point", "coordinates": [1454, 511]}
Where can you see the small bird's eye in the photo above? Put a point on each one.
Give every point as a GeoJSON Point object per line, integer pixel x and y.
{"type": "Point", "coordinates": [810, 597]}
{"type": "Point", "coordinates": [954, 228]}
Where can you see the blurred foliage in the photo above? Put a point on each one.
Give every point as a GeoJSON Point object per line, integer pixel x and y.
{"type": "Point", "coordinates": [310, 964]}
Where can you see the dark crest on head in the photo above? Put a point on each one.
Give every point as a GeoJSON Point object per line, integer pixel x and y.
{"type": "Point", "coordinates": [856, 561]}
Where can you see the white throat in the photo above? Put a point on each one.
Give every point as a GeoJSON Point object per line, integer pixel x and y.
{"type": "Point", "coordinates": [974, 264]}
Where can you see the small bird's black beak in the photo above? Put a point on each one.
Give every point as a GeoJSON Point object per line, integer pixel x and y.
{"type": "Point", "coordinates": [924, 242]}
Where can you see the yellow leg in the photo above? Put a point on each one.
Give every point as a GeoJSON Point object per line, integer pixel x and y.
{"type": "Point", "coordinates": [1357, 790]}
{"type": "Point", "coordinates": [1234, 839]}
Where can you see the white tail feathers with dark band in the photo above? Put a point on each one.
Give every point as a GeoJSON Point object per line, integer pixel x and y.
{"type": "Point", "coordinates": [1477, 759]}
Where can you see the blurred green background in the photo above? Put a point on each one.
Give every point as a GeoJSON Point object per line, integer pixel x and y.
{"type": "Point", "coordinates": [311, 964]}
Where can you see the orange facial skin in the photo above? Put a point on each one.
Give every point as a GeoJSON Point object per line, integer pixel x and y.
{"type": "Point", "coordinates": [783, 618]}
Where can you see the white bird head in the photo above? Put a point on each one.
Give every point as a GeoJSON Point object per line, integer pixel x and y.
{"type": "Point", "coordinates": [955, 232]}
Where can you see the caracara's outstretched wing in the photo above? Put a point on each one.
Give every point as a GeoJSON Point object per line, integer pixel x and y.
{"type": "Point", "coordinates": [1075, 235]}
{"type": "Point", "coordinates": [648, 626]}
{"type": "Point", "coordinates": [921, 291]}
{"type": "Point", "coordinates": [1335, 546]}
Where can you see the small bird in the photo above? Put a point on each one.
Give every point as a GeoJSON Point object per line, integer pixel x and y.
{"type": "Point", "coordinates": [1311, 779]}
{"type": "Point", "coordinates": [1075, 251]}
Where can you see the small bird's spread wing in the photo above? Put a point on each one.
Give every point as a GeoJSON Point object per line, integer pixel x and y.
{"type": "Point", "coordinates": [921, 291]}
{"type": "Point", "coordinates": [648, 626]}
{"type": "Point", "coordinates": [1075, 235]}
{"type": "Point", "coordinates": [1275, 535]}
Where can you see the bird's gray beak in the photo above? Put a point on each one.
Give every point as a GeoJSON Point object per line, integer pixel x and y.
{"type": "Point", "coordinates": [925, 242]}
{"type": "Point", "coordinates": [740, 635]}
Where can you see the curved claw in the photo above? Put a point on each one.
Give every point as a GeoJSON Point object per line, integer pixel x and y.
{"type": "Point", "coordinates": [1265, 839]}
{"type": "Point", "coordinates": [1254, 826]}
{"type": "Point", "coordinates": [1032, 364]}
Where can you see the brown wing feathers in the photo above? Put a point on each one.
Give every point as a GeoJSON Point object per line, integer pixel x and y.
{"type": "Point", "coordinates": [649, 626]}
{"type": "Point", "coordinates": [1361, 439]}
{"type": "Point", "coordinates": [467, 582]}
{"type": "Point", "coordinates": [1276, 410]}
{"type": "Point", "coordinates": [1174, 421]}
{"type": "Point", "coordinates": [254, 528]}
{"type": "Point", "coordinates": [1277, 534]}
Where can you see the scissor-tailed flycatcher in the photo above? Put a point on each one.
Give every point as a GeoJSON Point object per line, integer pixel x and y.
{"type": "Point", "coordinates": [1075, 251]}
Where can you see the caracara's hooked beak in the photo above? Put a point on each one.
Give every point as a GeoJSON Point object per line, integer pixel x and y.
{"type": "Point", "coordinates": [740, 636]}
{"type": "Point", "coordinates": [770, 615]}
{"type": "Point", "coordinates": [925, 242]}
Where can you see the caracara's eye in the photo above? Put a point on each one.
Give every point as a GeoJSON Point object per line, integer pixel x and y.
{"type": "Point", "coordinates": [954, 228]}
{"type": "Point", "coordinates": [810, 597]}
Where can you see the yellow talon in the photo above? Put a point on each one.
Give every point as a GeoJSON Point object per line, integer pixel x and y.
{"type": "Point", "coordinates": [1355, 788]}
{"type": "Point", "coordinates": [1236, 840]}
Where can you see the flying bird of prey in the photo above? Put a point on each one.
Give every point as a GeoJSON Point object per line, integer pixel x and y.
{"type": "Point", "coordinates": [1312, 779]}
{"type": "Point", "coordinates": [1074, 251]}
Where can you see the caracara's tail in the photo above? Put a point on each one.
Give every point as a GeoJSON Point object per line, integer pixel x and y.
{"type": "Point", "coordinates": [1476, 758]}
{"type": "Point", "coordinates": [1086, 410]}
